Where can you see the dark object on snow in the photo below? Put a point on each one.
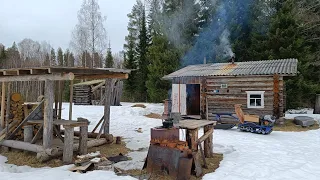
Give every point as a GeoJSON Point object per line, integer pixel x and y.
{"type": "Point", "coordinates": [304, 121]}
{"type": "Point", "coordinates": [118, 158]}
{"type": "Point", "coordinates": [224, 126]}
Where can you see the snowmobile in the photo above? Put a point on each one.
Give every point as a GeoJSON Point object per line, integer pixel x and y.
{"type": "Point", "coordinates": [253, 124]}
{"type": "Point", "coordinates": [260, 125]}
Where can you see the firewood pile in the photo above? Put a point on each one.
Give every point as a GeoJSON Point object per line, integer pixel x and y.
{"type": "Point", "coordinates": [82, 95]}
{"type": "Point", "coordinates": [16, 113]}
{"type": "Point", "coordinates": [96, 161]}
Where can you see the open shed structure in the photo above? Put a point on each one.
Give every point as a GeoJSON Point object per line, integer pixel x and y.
{"type": "Point", "coordinates": [207, 89]}
{"type": "Point", "coordinates": [51, 122]}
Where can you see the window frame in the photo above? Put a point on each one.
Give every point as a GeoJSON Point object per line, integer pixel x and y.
{"type": "Point", "coordinates": [255, 93]}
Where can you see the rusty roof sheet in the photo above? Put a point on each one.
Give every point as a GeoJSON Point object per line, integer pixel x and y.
{"type": "Point", "coordinates": [285, 67]}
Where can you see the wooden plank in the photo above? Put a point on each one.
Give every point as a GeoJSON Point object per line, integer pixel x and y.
{"type": "Point", "coordinates": [48, 115]}
{"type": "Point", "coordinates": [38, 135]}
{"type": "Point", "coordinates": [3, 99]}
{"type": "Point", "coordinates": [194, 124]}
{"type": "Point", "coordinates": [39, 71]}
{"type": "Point", "coordinates": [95, 128]}
{"type": "Point", "coordinates": [60, 122]}
{"type": "Point", "coordinates": [98, 86]}
{"type": "Point", "coordinates": [54, 77]}
{"type": "Point", "coordinates": [10, 72]}
{"type": "Point", "coordinates": [103, 76]}
{"type": "Point", "coordinates": [208, 144]}
{"type": "Point", "coordinates": [205, 136]}
{"type": "Point", "coordinates": [57, 131]}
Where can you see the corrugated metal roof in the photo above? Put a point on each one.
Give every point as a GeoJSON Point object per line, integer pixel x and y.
{"type": "Point", "coordinates": [285, 67]}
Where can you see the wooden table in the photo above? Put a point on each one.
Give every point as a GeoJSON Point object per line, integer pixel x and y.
{"type": "Point", "coordinates": [192, 127]}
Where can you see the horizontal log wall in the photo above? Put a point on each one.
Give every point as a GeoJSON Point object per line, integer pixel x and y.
{"type": "Point", "coordinates": [235, 93]}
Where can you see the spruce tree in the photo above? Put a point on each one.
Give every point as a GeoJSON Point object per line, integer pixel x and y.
{"type": "Point", "coordinates": [71, 60]}
{"type": "Point", "coordinates": [3, 56]}
{"type": "Point", "coordinates": [109, 59]}
{"type": "Point", "coordinates": [60, 57]}
{"type": "Point", "coordinates": [164, 59]}
{"type": "Point", "coordinates": [142, 62]}
{"type": "Point", "coordinates": [46, 60]}
{"type": "Point", "coordinates": [66, 58]}
{"type": "Point", "coordinates": [53, 60]}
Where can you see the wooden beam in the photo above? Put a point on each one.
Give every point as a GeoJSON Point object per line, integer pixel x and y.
{"type": "Point", "coordinates": [38, 135]}
{"type": "Point", "coordinates": [24, 72]}
{"type": "Point", "coordinates": [71, 100]}
{"type": "Point", "coordinates": [103, 76]}
{"type": "Point", "coordinates": [3, 102]}
{"type": "Point", "coordinates": [53, 77]}
{"type": "Point", "coordinates": [48, 115]}
{"type": "Point", "coordinates": [98, 86]}
{"type": "Point", "coordinates": [60, 98]}
{"type": "Point", "coordinates": [10, 72]}
{"type": "Point", "coordinates": [39, 71]}
{"type": "Point", "coordinates": [95, 128]}
{"type": "Point", "coordinates": [205, 136]}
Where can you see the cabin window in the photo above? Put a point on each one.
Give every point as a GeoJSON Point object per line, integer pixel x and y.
{"type": "Point", "coordinates": [255, 99]}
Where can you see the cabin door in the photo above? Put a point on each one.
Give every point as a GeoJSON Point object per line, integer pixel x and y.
{"type": "Point", "coordinates": [179, 98]}
{"type": "Point", "coordinates": [193, 99]}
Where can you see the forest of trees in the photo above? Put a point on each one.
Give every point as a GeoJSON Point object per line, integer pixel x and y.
{"type": "Point", "coordinates": [165, 35]}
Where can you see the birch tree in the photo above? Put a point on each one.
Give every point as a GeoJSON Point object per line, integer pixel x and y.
{"type": "Point", "coordinates": [89, 34]}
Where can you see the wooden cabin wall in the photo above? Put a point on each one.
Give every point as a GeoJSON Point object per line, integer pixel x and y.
{"type": "Point", "coordinates": [225, 100]}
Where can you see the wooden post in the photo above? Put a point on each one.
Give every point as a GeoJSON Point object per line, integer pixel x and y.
{"type": "Point", "coordinates": [60, 98]}
{"type": "Point", "coordinates": [3, 101]}
{"type": "Point", "coordinates": [192, 137]}
{"type": "Point", "coordinates": [71, 100]}
{"type": "Point", "coordinates": [83, 138]}
{"type": "Point", "coordinates": [317, 105]}
{"type": "Point", "coordinates": [56, 91]}
{"type": "Point", "coordinates": [27, 133]}
{"type": "Point", "coordinates": [68, 145]}
{"type": "Point", "coordinates": [208, 144]}
{"type": "Point", "coordinates": [108, 96]}
{"type": "Point", "coordinates": [8, 110]}
{"type": "Point", "coordinates": [276, 99]}
{"type": "Point", "coordinates": [48, 115]}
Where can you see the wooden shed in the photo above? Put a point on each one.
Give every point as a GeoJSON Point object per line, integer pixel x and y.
{"type": "Point", "coordinates": [207, 89]}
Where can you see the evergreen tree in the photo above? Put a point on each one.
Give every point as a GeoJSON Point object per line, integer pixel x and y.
{"type": "Point", "coordinates": [53, 60]}
{"type": "Point", "coordinates": [60, 57]}
{"type": "Point", "coordinates": [164, 59]}
{"type": "Point", "coordinates": [46, 60]}
{"type": "Point", "coordinates": [142, 62]}
{"type": "Point", "coordinates": [109, 59]}
{"type": "Point", "coordinates": [66, 57]}
{"type": "Point", "coordinates": [71, 60]}
{"type": "Point", "coordinates": [3, 56]}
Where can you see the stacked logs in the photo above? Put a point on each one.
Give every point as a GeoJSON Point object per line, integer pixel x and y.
{"type": "Point", "coordinates": [82, 95]}
{"type": "Point", "coordinates": [16, 113]}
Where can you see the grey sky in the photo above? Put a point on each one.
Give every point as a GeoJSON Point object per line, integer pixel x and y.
{"type": "Point", "coordinates": [54, 20]}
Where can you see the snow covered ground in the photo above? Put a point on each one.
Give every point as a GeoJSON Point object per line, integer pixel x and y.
{"type": "Point", "coordinates": [280, 155]}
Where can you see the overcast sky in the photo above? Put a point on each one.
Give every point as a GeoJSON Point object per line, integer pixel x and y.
{"type": "Point", "coordinates": [54, 20]}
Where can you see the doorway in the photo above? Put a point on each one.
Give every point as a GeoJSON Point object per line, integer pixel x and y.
{"type": "Point", "coordinates": [193, 99]}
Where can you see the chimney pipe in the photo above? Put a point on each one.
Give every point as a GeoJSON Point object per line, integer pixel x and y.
{"type": "Point", "coordinates": [205, 60]}
{"type": "Point", "coordinates": [232, 59]}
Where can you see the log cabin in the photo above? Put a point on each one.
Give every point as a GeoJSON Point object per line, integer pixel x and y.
{"type": "Point", "coordinates": [207, 89]}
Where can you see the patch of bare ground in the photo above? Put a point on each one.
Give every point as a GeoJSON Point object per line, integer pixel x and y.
{"type": "Point", "coordinates": [290, 126]}
{"type": "Point", "coordinates": [22, 158]}
{"type": "Point", "coordinates": [139, 105]}
{"type": "Point", "coordinates": [154, 116]}
{"type": "Point", "coordinates": [213, 164]}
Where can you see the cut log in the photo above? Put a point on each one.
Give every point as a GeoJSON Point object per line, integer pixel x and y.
{"type": "Point", "coordinates": [42, 157]}
{"type": "Point", "coordinates": [28, 133]}
{"type": "Point", "coordinates": [83, 149]}
{"type": "Point", "coordinates": [27, 147]}
{"type": "Point", "coordinates": [16, 97]}
{"type": "Point", "coordinates": [68, 145]}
